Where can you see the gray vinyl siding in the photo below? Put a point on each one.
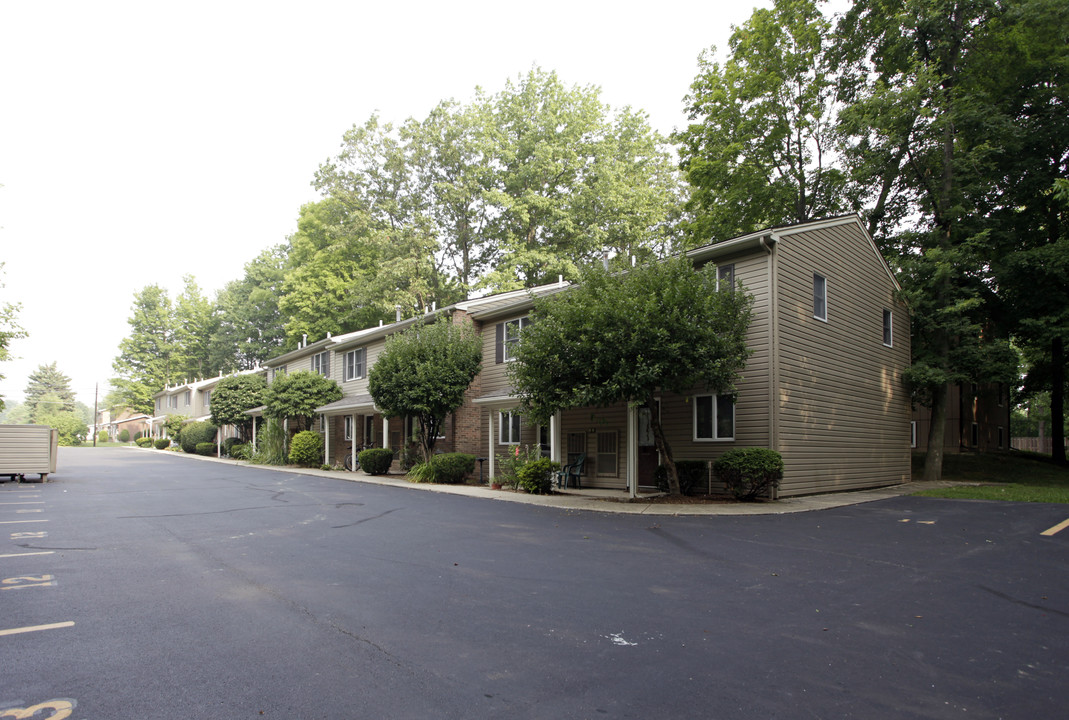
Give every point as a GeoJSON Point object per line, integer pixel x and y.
{"type": "Point", "coordinates": [843, 408]}
{"type": "Point", "coordinates": [494, 374]}
{"type": "Point", "coordinates": [337, 368]}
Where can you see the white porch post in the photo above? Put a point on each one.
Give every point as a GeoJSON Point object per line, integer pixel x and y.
{"type": "Point", "coordinates": [554, 438]}
{"type": "Point", "coordinates": [352, 433]}
{"type": "Point", "coordinates": [490, 454]}
{"type": "Point", "coordinates": [385, 432]}
{"type": "Point", "coordinates": [254, 433]}
{"type": "Point", "coordinates": [632, 450]}
{"type": "Point", "coordinates": [326, 439]}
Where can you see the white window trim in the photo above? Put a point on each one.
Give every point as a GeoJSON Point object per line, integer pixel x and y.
{"type": "Point", "coordinates": [503, 425]}
{"type": "Point", "coordinates": [322, 360]}
{"type": "Point", "coordinates": [521, 323]}
{"type": "Point", "coordinates": [694, 420]}
{"type": "Point", "coordinates": [889, 326]}
{"type": "Point", "coordinates": [348, 427]}
{"type": "Point", "coordinates": [729, 267]}
{"type": "Point", "coordinates": [913, 433]}
{"type": "Point", "coordinates": [363, 362]}
{"type": "Point", "coordinates": [826, 303]}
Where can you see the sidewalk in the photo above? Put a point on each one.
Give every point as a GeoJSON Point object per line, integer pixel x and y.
{"type": "Point", "coordinates": [608, 501]}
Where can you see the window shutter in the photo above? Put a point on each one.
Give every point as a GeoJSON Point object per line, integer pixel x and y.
{"type": "Point", "coordinates": [499, 346]}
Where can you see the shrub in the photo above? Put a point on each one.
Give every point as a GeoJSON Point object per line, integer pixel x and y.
{"type": "Point", "coordinates": [162, 443]}
{"type": "Point", "coordinates": [205, 448]}
{"type": "Point", "coordinates": [375, 461]}
{"type": "Point", "coordinates": [749, 472]}
{"type": "Point", "coordinates": [693, 476]}
{"type": "Point", "coordinates": [306, 449]}
{"type": "Point", "coordinates": [449, 468]}
{"type": "Point", "coordinates": [536, 476]}
{"type": "Point", "coordinates": [511, 463]}
{"type": "Point", "coordinates": [138, 435]}
{"type": "Point", "coordinates": [272, 447]}
{"type": "Point", "coordinates": [143, 441]}
{"type": "Point", "coordinates": [228, 445]}
{"type": "Point", "coordinates": [195, 433]}
{"type": "Point", "coordinates": [103, 436]}
{"type": "Point", "coordinates": [240, 451]}
{"type": "Point", "coordinates": [124, 435]}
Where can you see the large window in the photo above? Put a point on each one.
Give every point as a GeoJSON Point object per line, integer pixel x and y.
{"type": "Point", "coordinates": [321, 363]}
{"type": "Point", "coordinates": [188, 397]}
{"type": "Point", "coordinates": [607, 454]}
{"type": "Point", "coordinates": [509, 428]}
{"type": "Point", "coordinates": [174, 401]}
{"type": "Point", "coordinates": [820, 297]}
{"type": "Point", "coordinates": [276, 372]}
{"type": "Point", "coordinates": [714, 417]}
{"type": "Point", "coordinates": [354, 364]}
{"type": "Point", "coordinates": [887, 317]}
{"type": "Point", "coordinates": [508, 336]}
{"type": "Point", "coordinates": [207, 399]}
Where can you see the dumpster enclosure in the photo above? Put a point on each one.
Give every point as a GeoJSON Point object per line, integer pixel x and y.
{"type": "Point", "coordinates": [28, 450]}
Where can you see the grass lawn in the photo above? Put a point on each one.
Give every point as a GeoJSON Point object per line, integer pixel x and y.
{"type": "Point", "coordinates": [1016, 476]}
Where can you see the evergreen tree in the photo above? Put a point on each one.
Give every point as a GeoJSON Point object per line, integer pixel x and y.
{"type": "Point", "coordinates": [48, 391]}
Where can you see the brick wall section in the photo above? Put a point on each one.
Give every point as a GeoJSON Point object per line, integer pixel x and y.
{"type": "Point", "coordinates": [466, 426]}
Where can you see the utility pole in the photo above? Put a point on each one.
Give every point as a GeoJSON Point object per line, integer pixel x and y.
{"type": "Point", "coordinates": [96, 394]}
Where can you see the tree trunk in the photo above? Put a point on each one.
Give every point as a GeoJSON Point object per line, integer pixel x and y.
{"type": "Point", "coordinates": [933, 460]}
{"type": "Point", "coordinates": [663, 447]}
{"type": "Point", "coordinates": [1057, 401]}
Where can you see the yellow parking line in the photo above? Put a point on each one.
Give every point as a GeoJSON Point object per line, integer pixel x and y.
{"type": "Point", "coordinates": [16, 522]}
{"type": "Point", "coordinates": [35, 628]}
{"type": "Point", "coordinates": [11, 555]}
{"type": "Point", "coordinates": [1057, 528]}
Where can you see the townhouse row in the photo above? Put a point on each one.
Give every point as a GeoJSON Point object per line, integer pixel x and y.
{"type": "Point", "coordinates": [824, 384]}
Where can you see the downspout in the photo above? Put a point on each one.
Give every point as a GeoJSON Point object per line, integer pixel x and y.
{"type": "Point", "coordinates": [768, 242]}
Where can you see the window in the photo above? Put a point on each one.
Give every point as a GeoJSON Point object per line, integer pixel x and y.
{"type": "Point", "coordinates": [543, 440]}
{"type": "Point", "coordinates": [1001, 437]}
{"type": "Point", "coordinates": [887, 327]}
{"type": "Point", "coordinates": [174, 401]}
{"type": "Point", "coordinates": [820, 297]}
{"type": "Point", "coordinates": [508, 334]}
{"type": "Point", "coordinates": [276, 372]}
{"type": "Point", "coordinates": [975, 434]}
{"type": "Point", "coordinates": [714, 417]}
{"type": "Point", "coordinates": [159, 404]}
{"type": "Point", "coordinates": [577, 447]}
{"type": "Point", "coordinates": [607, 453]}
{"type": "Point", "coordinates": [369, 430]}
{"type": "Point", "coordinates": [509, 428]}
{"type": "Point", "coordinates": [188, 397]}
{"type": "Point", "coordinates": [207, 399]}
{"type": "Point", "coordinates": [348, 427]}
{"type": "Point", "coordinates": [913, 433]}
{"type": "Point", "coordinates": [725, 278]}
{"type": "Point", "coordinates": [322, 423]}
{"type": "Point", "coordinates": [354, 364]}
{"type": "Point", "coordinates": [321, 363]}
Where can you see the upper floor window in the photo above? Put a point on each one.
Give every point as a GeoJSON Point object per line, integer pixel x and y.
{"type": "Point", "coordinates": [159, 403]}
{"type": "Point", "coordinates": [188, 397]}
{"type": "Point", "coordinates": [887, 318]}
{"type": "Point", "coordinates": [321, 363]}
{"type": "Point", "coordinates": [278, 371]}
{"type": "Point", "coordinates": [820, 297]}
{"type": "Point", "coordinates": [508, 336]}
{"type": "Point", "coordinates": [174, 401]}
{"type": "Point", "coordinates": [714, 417]}
{"type": "Point", "coordinates": [725, 278]}
{"type": "Point", "coordinates": [207, 399]}
{"type": "Point", "coordinates": [354, 364]}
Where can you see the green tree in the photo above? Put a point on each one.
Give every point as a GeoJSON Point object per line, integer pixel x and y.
{"type": "Point", "coordinates": [72, 429]}
{"type": "Point", "coordinates": [234, 395]}
{"type": "Point", "coordinates": [149, 357]}
{"type": "Point", "coordinates": [48, 391]}
{"type": "Point", "coordinates": [762, 128]}
{"type": "Point", "coordinates": [910, 77]}
{"type": "Point", "coordinates": [9, 329]}
{"type": "Point", "coordinates": [423, 372]}
{"type": "Point", "coordinates": [297, 395]}
{"type": "Point", "coordinates": [193, 321]}
{"type": "Point", "coordinates": [622, 337]}
{"type": "Point", "coordinates": [249, 326]}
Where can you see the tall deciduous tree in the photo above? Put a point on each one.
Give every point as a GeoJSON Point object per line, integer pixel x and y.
{"type": "Point", "coordinates": [234, 395]}
{"type": "Point", "coordinates": [48, 391]}
{"type": "Point", "coordinates": [759, 147]}
{"type": "Point", "coordinates": [297, 395]}
{"type": "Point", "coordinates": [621, 337]}
{"type": "Point", "coordinates": [423, 372]}
{"type": "Point", "coordinates": [193, 321]}
{"type": "Point", "coordinates": [149, 357]}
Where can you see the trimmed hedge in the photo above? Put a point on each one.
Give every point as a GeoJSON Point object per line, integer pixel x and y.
{"type": "Point", "coordinates": [124, 435]}
{"type": "Point", "coordinates": [162, 443]}
{"type": "Point", "coordinates": [749, 472]}
{"type": "Point", "coordinates": [536, 477]}
{"type": "Point", "coordinates": [103, 436]}
{"type": "Point", "coordinates": [447, 469]}
{"type": "Point", "coordinates": [375, 461]}
{"type": "Point", "coordinates": [306, 449]}
{"type": "Point", "coordinates": [228, 445]}
{"type": "Point", "coordinates": [240, 451]}
{"type": "Point", "coordinates": [194, 433]}
{"type": "Point", "coordinates": [693, 476]}
{"type": "Point", "coordinates": [206, 448]}
{"type": "Point", "coordinates": [143, 442]}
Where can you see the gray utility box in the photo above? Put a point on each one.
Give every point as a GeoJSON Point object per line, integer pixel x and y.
{"type": "Point", "coordinates": [28, 449]}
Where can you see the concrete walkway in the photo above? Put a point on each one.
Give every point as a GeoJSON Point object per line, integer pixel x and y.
{"type": "Point", "coordinates": [597, 500]}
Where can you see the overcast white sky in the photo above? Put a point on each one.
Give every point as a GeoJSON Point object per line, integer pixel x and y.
{"type": "Point", "coordinates": [140, 141]}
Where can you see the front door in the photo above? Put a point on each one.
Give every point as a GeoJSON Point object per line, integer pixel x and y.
{"type": "Point", "coordinates": [647, 448]}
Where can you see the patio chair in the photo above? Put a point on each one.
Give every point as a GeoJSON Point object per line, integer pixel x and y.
{"type": "Point", "coordinates": [571, 471]}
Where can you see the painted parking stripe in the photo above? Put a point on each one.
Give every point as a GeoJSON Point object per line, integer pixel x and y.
{"type": "Point", "coordinates": [36, 628]}
{"type": "Point", "coordinates": [28, 502]}
{"type": "Point", "coordinates": [1056, 529]}
{"type": "Point", "coordinates": [16, 522]}
{"type": "Point", "coordinates": [11, 555]}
